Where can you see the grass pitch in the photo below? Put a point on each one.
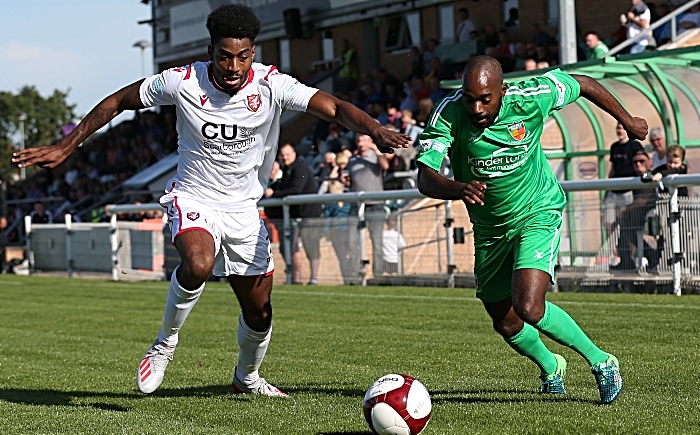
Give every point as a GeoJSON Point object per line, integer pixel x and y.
{"type": "Point", "coordinates": [69, 351]}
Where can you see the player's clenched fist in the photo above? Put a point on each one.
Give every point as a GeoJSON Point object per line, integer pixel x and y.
{"type": "Point", "coordinates": [473, 193]}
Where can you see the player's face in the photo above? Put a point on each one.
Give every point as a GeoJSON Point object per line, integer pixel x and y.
{"type": "Point", "coordinates": [231, 60]}
{"type": "Point", "coordinates": [482, 97]}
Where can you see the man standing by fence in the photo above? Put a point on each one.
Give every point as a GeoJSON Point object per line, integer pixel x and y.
{"type": "Point", "coordinates": [491, 131]}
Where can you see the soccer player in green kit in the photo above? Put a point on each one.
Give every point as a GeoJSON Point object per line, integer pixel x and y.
{"type": "Point", "coordinates": [491, 131]}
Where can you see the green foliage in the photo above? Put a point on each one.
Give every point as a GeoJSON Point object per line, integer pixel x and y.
{"type": "Point", "coordinates": [45, 116]}
{"type": "Point", "coordinates": [70, 349]}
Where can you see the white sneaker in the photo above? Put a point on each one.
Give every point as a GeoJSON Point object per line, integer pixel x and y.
{"type": "Point", "coordinates": [150, 373]}
{"type": "Point", "coordinates": [261, 387]}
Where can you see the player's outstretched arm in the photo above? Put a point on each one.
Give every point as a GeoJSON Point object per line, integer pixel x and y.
{"type": "Point", "coordinates": [127, 98]}
{"type": "Point", "coordinates": [593, 91]}
{"type": "Point", "coordinates": [434, 185]}
{"type": "Point", "coordinates": [330, 108]}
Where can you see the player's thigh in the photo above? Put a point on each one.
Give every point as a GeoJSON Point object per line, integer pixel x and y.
{"type": "Point", "coordinates": [493, 267]}
{"type": "Point", "coordinates": [195, 230]}
{"type": "Point", "coordinates": [245, 246]}
{"type": "Point", "coordinates": [537, 246]}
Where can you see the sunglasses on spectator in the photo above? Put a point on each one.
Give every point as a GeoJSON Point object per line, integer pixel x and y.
{"type": "Point", "coordinates": [639, 161]}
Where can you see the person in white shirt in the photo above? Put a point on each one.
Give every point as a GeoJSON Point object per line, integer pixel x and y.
{"type": "Point", "coordinates": [393, 245]}
{"type": "Point", "coordinates": [637, 19]}
{"type": "Point", "coordinates": [657, 139]}
{"type": "Point", "coordinates": [228, 123]}
{"type": "Point", "coordinates": [465, 27]}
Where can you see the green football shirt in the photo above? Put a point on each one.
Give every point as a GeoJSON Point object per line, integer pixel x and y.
{"type": "Point", "coordinates": [507, 156]}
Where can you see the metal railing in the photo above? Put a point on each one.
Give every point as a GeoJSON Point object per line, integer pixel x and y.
{"type": "Point", "coordinates": [648, 31]}
{"type": "Point", "coordinates": [425, 230]}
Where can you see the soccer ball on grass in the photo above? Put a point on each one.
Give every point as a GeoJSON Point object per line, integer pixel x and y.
{"type": "Point", "coordinates": [397, 405]}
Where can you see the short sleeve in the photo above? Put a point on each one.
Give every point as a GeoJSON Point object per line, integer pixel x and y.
{"type": "Point", "coordinates": [289, 93]}
{"type": "Point", "coordinates": [162, 89]}
{"type": "Point", "coordinates": [565, 89]}
{"type": "Point", "coordinates": [438, 136]}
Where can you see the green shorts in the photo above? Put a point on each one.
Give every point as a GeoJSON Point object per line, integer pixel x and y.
{"type": "Point", "coordinates": [532, 244]}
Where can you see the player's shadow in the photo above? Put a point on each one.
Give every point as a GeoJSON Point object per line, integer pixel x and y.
{"type": "Point", "coordinates": [323, 389]}
{"type": "Point", "coordinates": [345, 433]}
{"type": "Point", "coordinates": [499, 396]}
{"type": "Point", "coordinates": [65, 398]}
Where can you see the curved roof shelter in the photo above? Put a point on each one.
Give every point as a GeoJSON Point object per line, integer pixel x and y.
{"type": "Point", "coordinates": [661, 86]}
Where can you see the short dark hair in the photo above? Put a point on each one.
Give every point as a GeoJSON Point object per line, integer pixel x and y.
{"type": "Point", "coordinates": [591, 32]}
{"type": "Point", "coordinates": [233, 21]}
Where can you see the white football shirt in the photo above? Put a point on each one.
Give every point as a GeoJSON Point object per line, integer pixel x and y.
{"type": "Point", "coordinates": [227, 144]}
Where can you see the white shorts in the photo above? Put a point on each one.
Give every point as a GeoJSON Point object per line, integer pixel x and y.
{"type": "Point", "coordinates": [241, 242]}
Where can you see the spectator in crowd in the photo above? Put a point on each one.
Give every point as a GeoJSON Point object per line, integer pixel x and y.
{"type": "Point", "coordinates": [490, 36]}
{"type": "Point", "coordinates": [596, 46]}
{"type": "Point", "coordinates": [633, 216]}
{"type": "Point", "coordinates": [622, 153]}
{"type": "Point", "coordinates": [539, 36]}
{"type": "Point", "coordinates": [544, 54]}
{"type": "Point", "coordinates": [3, 242]}
{"type": "Point", "coordinates": [437, 93]}
{"type": "Point", "coordinates": [337, 217]}
{"type": "Point", "coordinates": [675, 165]}
{"type": "Point", "coordinates": [542, 64]}
{"type": "Point", "coordinates": [636, 19]}
{"type": "Point", "coordinates": [465, 27]}
{"type": "Point", "coordinates": [530, 64]}
{"type": "Point", "coordinates": [689, 20]}
{"type": "Point", "coordinates": [416, 63]}
{"type": "Point", "coordinates": [429, 52]}
{"type": "Point", "coordinates": [520, 56]}
{"type": "Point", "coordinates": [505, 47]}
{"type": "Point", "coordinates": [392, 247]}
{"type": "Point", "coordinates": [513, 20]}
{"type": "Point", "coordinates": [40, 215]}
{"type": "Point", "coordinates": [657, 139]}
{"type": "Point", "coordinates": [366, 174]}
{"type": "Point", "coordinates": [348, 73]}
{"type": "Point", "coordinates": [297, 179]}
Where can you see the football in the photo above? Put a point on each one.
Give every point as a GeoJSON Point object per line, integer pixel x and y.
{"type": "Point", "coordinates": [397, 405]}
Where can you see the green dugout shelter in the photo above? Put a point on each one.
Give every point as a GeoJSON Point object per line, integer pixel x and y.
{"type": "Point", "coordinates": [661, 86]}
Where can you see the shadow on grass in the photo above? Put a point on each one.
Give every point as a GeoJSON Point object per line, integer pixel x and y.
{"type": "Point", "coordinates": [345, 433]}
{"type": "Point", "coordinates": [65, 398]}
{"type": "Point", "coordinates": [500, 396]}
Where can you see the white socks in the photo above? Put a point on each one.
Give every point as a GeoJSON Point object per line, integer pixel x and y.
{"type": "Point", "coordinates": [253, 346]}
{"type": "Point", "coordinates": [178, 306]}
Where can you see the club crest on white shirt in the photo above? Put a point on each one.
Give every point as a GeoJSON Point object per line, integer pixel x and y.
{"type": "Point", "coordinates": [193, 216]}
{"type": "Point", "coordinates": [254, 102]}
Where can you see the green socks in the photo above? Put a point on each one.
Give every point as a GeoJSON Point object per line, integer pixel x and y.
{"type": "Point", "coordinates": [527, 343]}
{"type": "Point", "coordinates": [560, 327]}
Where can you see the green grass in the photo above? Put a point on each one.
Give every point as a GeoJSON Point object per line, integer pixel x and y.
{"type": "Point", "coordinates": [69, 351]}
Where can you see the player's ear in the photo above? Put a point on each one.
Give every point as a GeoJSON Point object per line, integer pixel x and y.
{"type": "Point", "coordinates": [504, 88]}
{"type": "Point", "coordinates": [253, 53]}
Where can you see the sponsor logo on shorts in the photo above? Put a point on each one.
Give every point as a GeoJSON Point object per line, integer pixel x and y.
{"type": "Point", "coordinates": [254, 102]}
{"type": "Point", "coordinates": [538, 254]}
{"type": "Point", "coordinates": [193, 215]}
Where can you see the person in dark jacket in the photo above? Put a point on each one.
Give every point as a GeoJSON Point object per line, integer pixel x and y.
{"type": "Point", "coordinates": [297, 178]}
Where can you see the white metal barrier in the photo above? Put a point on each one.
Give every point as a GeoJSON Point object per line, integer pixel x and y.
{"type": "Point", "coordinates": [34, 242]}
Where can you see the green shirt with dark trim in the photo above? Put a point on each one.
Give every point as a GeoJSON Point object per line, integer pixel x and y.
{"type": "Point", "coordinates": [507, 156]}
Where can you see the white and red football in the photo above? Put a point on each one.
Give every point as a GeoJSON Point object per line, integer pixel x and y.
{"type": "Point", "coordinates": [397, 405]}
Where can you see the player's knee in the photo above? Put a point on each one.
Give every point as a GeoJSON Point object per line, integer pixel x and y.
{"type": "Point", "coordinates": [530, 311]}
{"type": "Point", "coordinates": [507, 329]}
{"type": "Point", "coordinates": [198, 268]}
{"type": "Point", "coordinates": [258, 318]}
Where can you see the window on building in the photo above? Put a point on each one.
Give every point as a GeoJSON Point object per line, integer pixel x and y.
{"type": "Point", "coordinates": [403, 31]}
{"type": "Point", "coordinates": [447, 24]}
{"type": "Point", "coordinates": [553, 12]}
{"type": "Point", "coordinates": [285, 56]}
{"type": "Point", "coordinates": [327, 46]}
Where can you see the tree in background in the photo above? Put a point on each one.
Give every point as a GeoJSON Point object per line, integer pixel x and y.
{"type": "Point", "coordinates": [45, 117]}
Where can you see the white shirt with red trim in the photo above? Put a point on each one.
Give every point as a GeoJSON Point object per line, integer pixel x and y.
{"type": "Point", "coordinates": [227, 144]}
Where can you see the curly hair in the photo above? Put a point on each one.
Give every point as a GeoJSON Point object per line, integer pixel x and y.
{"type": "Point", "coordinates": [233, 21]}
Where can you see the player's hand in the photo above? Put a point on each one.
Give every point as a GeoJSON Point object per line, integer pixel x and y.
{"type": "Point", "coordinates": [638, 129]}
{"type": "Point", "coordinates": [473, 193]}
{"type": "Point", "coordinates": [387, 139]}
{"type": "Point", "coordinates": [48, 156]}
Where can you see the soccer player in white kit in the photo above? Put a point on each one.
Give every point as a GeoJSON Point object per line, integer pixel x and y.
{"type": "Point", "coordinates": [228, 113]}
